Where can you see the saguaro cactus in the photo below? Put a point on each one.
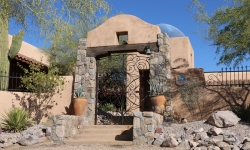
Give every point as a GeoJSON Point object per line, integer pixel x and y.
{"type": "Point", "coordinates": [16, 44]}
{"type": "Point", "coordinates": [7, 54]}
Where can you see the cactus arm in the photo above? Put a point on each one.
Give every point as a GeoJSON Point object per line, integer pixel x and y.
{"type": "Point", "coordinates": [4, 69]}
{"type": "Point", "coordinates": [16, 44]}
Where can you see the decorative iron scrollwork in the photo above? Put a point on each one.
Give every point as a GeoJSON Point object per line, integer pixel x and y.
{"type": "Point", "coordinates": [118, 86]}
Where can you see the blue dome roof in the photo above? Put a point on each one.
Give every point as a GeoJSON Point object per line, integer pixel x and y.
{"type": "Point", "coordinates": [170, 30]}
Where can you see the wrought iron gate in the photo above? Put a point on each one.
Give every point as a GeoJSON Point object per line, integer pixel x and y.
{"type": "Point", "coordinates": [121, 84]}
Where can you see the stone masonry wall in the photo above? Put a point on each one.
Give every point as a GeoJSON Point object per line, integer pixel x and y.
{"type": "Point", "coordinates": [144, 126]}
{"type": "Point", "coordinates": [160, 70]}
{"type": "Point", "coordinates": [85, 77]}
{"type": "Point", "coordinates": [64, 126]}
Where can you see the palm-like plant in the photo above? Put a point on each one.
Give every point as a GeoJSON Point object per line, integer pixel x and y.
{"type": "Point", "coordinates": [16, 120]}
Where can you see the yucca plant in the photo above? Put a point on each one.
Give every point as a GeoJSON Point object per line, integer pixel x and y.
{"type": "Point", "coordinates": [16, 120]}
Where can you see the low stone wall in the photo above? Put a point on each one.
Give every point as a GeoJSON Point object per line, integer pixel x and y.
{"type": "Point", "coordinates": [65, 126]}
{"type": "Point", "coordinates": [144, 126]}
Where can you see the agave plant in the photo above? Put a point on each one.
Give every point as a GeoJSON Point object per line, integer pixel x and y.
{"type": "Point", "coordinates": [155, 88]}
{"type": "Point", "coordinates": [16, 120]}
{"type": "Point", "coordinates": [78, 92]}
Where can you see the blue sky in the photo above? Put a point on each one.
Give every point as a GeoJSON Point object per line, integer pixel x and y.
{"type": "Point", "coordinates": [172, 12]}
{"type": "Point", "coordinates": [175, 12]}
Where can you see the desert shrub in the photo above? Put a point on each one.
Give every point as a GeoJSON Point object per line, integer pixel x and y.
{"type": "Point", "coordinates": [191, 93]}
{"type": "Point", "coordinates": [242, 113]}
{"type": "Point", "coordinates": [16, 120]}
{"type": "Point", "coordinates": [44, 85]}
{"type": "Point", "coordinates": [107, 107]}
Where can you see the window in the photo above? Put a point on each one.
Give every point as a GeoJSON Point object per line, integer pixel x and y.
{"type": "Point", "coordinates": [122, 37]}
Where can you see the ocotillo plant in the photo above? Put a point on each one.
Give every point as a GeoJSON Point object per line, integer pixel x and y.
{"type": "Point", "coordinates": [7, 54]}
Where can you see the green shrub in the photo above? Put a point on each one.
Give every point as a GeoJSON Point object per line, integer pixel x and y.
{"type": "Point", "coordinates": [16, 120]}
{"type": "Point", "coordinates": [107, 107]}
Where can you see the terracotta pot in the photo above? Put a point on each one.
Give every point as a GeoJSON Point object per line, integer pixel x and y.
{"type": "Point", "coordinates": [158, 103]}
{"type": "Point", "coordinates": [80, 106]}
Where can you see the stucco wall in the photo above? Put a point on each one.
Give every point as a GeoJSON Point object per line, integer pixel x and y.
{"type": "Point", "coordinates": [181, 47]}
{"type": "Point", "coordinates": [212, 98]}
{"type": "Point", "coordinates": [237, 77]}
{"type": "Point", "coordinates": [32, 52]}
{"type": "Point", "coordinates": [138, 31]}
{"type": "Point", "coordinates": [62, 101]}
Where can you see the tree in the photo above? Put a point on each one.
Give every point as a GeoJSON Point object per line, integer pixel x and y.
{"type": "Point", "coordinates": [228, 28]}
{"type": "Point", "coordinates": [63, 50]}
{"type": "Point", "coordinates": [47, 16]}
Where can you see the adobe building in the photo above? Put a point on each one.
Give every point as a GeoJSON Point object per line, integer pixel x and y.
{"type": "Point", "coordinates": [14, 97]}
{"type": "Point", "coordinates": [168, 48]}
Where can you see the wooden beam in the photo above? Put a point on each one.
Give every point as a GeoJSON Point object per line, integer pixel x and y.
{"type": "Point", "coordinates": [107, 50]}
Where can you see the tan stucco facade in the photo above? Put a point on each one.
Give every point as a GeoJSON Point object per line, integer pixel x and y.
{"type": "Point", "coordinates": [32, 52]}
{"type": "Point", "coordinates": [60, 106]}
{"type": "Point", "coordinates": [181, 47]}
{"type": "Point", "coordinates": [138, 31]}
{"type": "Point", "coordinates": [211, 98]}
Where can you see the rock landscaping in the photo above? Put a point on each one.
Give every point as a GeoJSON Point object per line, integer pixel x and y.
{"type": "Point", "coordinates": [206, 135]}
{"type": "Point", "coordinates": [196, 135]}
{"type": "Point", "coordinates": [33, 135]}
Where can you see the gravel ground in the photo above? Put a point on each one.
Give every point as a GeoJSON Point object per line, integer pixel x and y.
{"type": "Point", "coordinates": [241, 130]}
{"type": "Point", "coordinates": [50, 146]}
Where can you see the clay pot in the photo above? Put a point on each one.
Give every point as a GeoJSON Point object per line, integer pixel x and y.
{"type": "Point", "coordinates": [80, 106]}
{"type": "Point", "coordinates": [158, 103]}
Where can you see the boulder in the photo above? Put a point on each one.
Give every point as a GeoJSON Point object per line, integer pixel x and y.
{"type": "Point", "coordinates": [201, 136]}
{"type": "Point", "coordinates": [212, 147]}
{"type": "Point", "coordinates": [158, 142]}
{"type": "Point", "coordinates": [223, 119]}
{"type": "Point", "coordinates": [183, 120]}
{"type": "Point", "coordinates": [203, 143]}
{"type": "Point", "coordinates": [170, 142]}
{"type": "Point", "coordinates": [246, 146]}
{"type": "Point", "coordinates": [215, 131]}
{"type": "Point", "coordinates": [193, 144]}
{"type": "Point", "coordinates": [187, 144]}
{"type": "Point", "coordinates": [216, 139]}
{"type": "Point", "coordinates": [246, 139]}
{"type": "Point", "coordinates": [31, 140]}
{"type": "Point", "coordinates": [7, 139]}
{"type": "Point", "coordinates": [222, 144]}
{"type": "Point", "coordinates": [235, 148]}
{"type": "Point", "coordinates": [203, 148]}
{"type": "Point", "coordinates": [226, 148]}
{"type": "Point", "coordinates": [198, 130]}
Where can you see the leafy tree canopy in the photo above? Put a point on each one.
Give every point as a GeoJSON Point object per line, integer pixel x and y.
{"type": "Point", "coordinates": [59, 22]}
{"type": "Point", "coordinates": [228, 28]}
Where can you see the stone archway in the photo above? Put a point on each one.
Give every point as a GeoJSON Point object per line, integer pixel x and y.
{"type": "Point", "coordinates": [89, 51]}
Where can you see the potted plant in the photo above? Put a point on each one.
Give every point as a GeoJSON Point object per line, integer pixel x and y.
{"type": "Point", "coordinates": [157, 98]}
{"type": "Point", "coordinates": [80, 103]}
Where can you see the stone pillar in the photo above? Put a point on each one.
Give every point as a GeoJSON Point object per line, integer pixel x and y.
{"type": "Point", "coordinates": [160, 70]}
{"type": "Point", "coordinates": [85, 77]}
{"type": "Point", "coordinates": [64, 126]}
{"type": "Point", "coordinates": [144, 125]}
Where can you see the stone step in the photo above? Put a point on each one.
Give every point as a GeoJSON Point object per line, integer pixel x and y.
{"type": "Point", "coordinates": [109, 137]}
{"type": "Point", "coordinates": [107, 127]}
{"type": "Point", "coordinates": [94, 131]}
{"type": "Point", "coordinates": [104, 134]}
{"type": "Point", "coordinates": [90, 142]}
